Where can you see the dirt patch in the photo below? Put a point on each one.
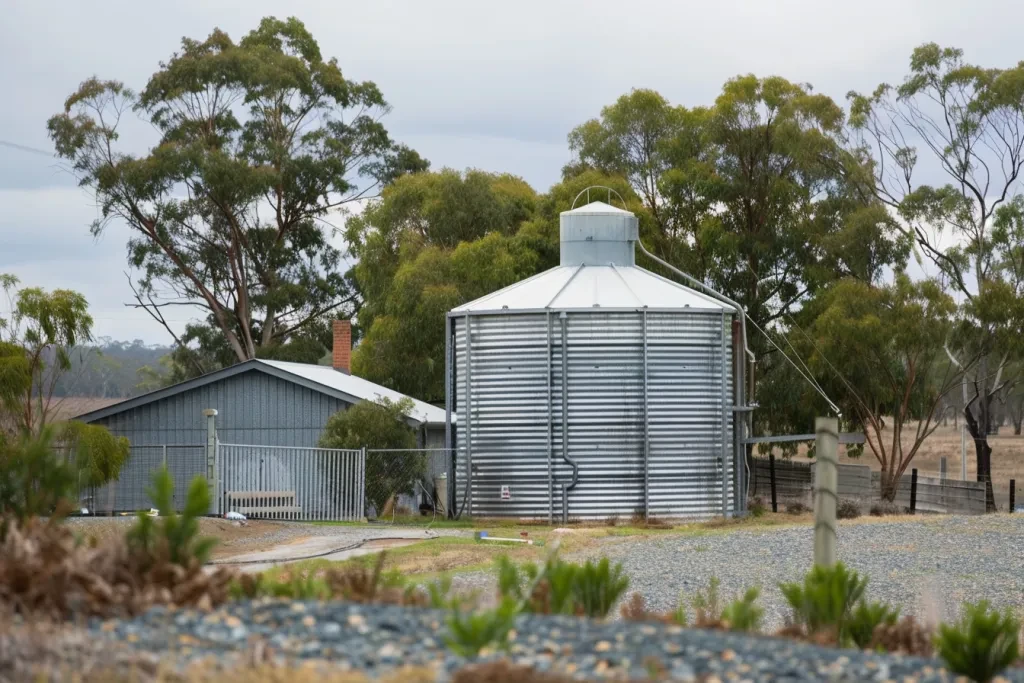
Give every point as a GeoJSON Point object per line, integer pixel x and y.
{"type": "Point", "coordinates": [232, 538]}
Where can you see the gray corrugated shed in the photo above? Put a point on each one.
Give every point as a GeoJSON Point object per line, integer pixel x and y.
{"type": "Point", "coordinates": [317, 378]}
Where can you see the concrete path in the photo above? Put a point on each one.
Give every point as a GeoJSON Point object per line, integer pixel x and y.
{"type": "Point", "coordinates": [346, 544]}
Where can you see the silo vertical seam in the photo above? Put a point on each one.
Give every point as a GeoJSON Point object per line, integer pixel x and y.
{"type": "Point", "coordinates": [647, 430]}
{"type": "Point", "coordinates": [725, 407]}
{"type": "Point", "coordinates": [565, 419]}
{"type": "Point", "coordinates": [551, 426]}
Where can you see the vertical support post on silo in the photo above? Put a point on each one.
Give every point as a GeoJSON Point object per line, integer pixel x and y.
{"type": "Point", "coordinates": [449, 386]}
{"type": "Point", "coordinates": [738, 421]}
{"type": "Point", "coordinates": [826, 475]}
{"type": "Point", "coordinates": [726, 408]}
{"type": "Point", "coordinates": [469, 416]}
{"type": "Point", "coordinates": [163, 456]}
{"type": "Point", "coordinates": [647, 433]}
{"type": "Point", "coordinates": [211, 454]}
{"type": "Point", "coordinates": [565, 418]}
{"type": "Point", "coordinates": [551, 426]}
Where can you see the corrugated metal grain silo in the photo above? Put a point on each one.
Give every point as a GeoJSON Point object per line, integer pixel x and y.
{"type": "Point", "coordinates": [596, 388]}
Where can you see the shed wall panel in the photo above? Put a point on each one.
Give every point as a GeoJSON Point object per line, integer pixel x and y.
{"type": "Point", "coordinates": [252, 407]}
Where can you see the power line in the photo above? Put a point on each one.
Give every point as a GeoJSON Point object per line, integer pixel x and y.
{"type": "Point", "coordinates": [26, 148]}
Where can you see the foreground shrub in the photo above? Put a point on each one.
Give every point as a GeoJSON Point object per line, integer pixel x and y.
{"type": "Point", "coordinates": [795, 507]}
{"type": "Point", "coordinates": [823, 602]}
{"type": "Point", "coordinates": [172, 538]}
{"type": "Point", "coordinates": [33, 481]}
{"type": "Point", "coordinates": [470, 632]}
{"type": "Point", "coordinates": [885, 508]}
{"type": "Point", "coordinates": [756, 506]}
{"type": "Point", "coordinates": [906, 637]}
{"type": "Point", "coordinates": [352, 582]}
{"type": "Point", "coordinates": [847, 509]}
{"type": "Point", "coordinates": [865, 620]}
{"type": "Point", "coordinates": [981, 644]}
{"type": "Point", "coordinates": [559, 587]}
{"type": "Point", "coordinates": [46, 571]}
{"type": "Point", "coordinates": [741, 614]}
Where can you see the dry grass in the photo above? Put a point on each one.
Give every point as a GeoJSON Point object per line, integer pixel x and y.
{"type": "Point", "coordinates": [232, 539]}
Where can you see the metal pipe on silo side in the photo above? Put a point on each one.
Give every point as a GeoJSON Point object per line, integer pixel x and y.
{"type": "Point", "coordinates": [468, 496]}
{"type": "Point", "coordinates": [726, 410]}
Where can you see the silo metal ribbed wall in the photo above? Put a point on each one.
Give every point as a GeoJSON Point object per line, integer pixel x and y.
{"type": "Point", "coordinates": [649, 397]}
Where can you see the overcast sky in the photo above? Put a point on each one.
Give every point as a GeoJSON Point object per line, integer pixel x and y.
{"type": "Point", "coordinates": [472, 85]}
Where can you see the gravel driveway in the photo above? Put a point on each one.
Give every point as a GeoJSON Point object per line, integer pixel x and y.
{"type": "Point", "coordinates": [927, 566]}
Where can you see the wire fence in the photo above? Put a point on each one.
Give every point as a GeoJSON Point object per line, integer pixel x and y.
{"type": "Point", "coordinates": [928, 491]}
{"type": "Point", "coordinates": [130, 491]}
{"type": "Point", "coordinates": [283, 482]}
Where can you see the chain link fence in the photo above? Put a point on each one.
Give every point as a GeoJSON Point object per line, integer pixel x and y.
{"type": "Point", "coordinates": [129, 492]}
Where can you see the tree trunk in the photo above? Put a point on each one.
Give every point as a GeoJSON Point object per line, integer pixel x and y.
{"type": "Point", "coordinates": [978, 429]}
{"type": "Point", "coordinates": [889, 484]}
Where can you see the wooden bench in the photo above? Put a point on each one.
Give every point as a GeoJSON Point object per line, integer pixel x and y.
{"type": "Point", "coordinates": [263, 504]}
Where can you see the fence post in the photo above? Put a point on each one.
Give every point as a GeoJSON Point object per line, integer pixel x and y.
{"type": "Point", "coordinates": [826, 430]}
{"type": "Point", "coordinates": [211, 454]}
{"type": "Point", "coordinates": [771, 478]}
{"type": "Point", "coordinates": [1013, 490]}
{"type": "Point", "coordinates": [942, 468]}
{"type": "Point", "coordinates": [362, 486]}
{"type": "Point", "coordinates": [913, 491]}
{"type": "Point", "coordinates": [163, 455]}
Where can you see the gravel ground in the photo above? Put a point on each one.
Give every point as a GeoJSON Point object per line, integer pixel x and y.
{"type": "Point", "coordinates": [375, 639]}
{"type": "Point", "coordinates": [929, 567]}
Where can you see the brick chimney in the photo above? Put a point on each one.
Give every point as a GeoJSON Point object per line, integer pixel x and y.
{"type": "Point", "coordinates": [341, 351]}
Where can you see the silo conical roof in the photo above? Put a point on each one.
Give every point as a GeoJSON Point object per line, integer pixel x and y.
{"type": "Point", "coordinates": [597, 271]}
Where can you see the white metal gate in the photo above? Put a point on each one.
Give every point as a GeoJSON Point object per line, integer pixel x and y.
{"type": "Point", "coordinates": [286, 482]}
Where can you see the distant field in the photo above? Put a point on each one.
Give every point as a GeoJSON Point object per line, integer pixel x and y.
{"type": "Point", "coordinates": [1007, 458]}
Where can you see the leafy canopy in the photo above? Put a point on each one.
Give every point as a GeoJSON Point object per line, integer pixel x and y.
{"type": "Point", "coordinates": [380, 424]}
{"type": "Point", "coordinates": [261, 142]}
{"type": "Point", "coordinates": [432, 242]}
{"type": "Point", "coordinates": [37, 344]}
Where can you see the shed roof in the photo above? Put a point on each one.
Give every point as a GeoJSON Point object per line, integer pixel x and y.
{"type": "Point", "coordinates": [321, 378]}
{"type": "Point", "coordinates": [594, 286]}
